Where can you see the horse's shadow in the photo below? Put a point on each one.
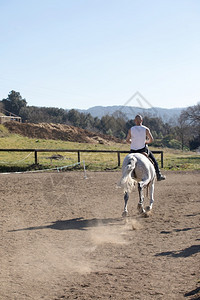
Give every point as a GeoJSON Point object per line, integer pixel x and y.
{"type": "Point", "coordinates": [74, 224]}
{"type": "Point", "coordinates": [182, 253]}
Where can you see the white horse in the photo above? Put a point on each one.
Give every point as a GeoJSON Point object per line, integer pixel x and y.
{"type": "Point", "coordinates": [137, 168]}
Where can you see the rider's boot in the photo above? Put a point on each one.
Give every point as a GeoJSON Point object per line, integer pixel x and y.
{"type": "Point", "coordinates": [160, 176]}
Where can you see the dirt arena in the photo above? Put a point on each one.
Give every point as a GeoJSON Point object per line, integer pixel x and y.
{"type": "Point", "coordinates": [62, 237]}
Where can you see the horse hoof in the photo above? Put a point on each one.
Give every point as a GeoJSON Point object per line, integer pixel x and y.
{"type": "Point", "coordinates": [147, 211]}
{"type": "Point", "coordinates": [140, 209]}
{"type": "Point", "coordinates": [124, 214]}
{"type": "Point", "coordinates": [146, 214]}
{"type": "Point", "coordinates": [148, 208]}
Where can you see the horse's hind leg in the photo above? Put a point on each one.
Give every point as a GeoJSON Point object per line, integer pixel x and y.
{"type": "Point", "coordinates": [141, 198]}
{"type": "Point", "coordinates": [126, 197]}
{"type": "Point", "coordinates": [151, 191]}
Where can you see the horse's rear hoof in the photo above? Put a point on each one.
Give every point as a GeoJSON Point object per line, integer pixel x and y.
{"type": "Point", "coordinates": [124, 214]}
{"type": "Point", "coordinates": [147, 211]}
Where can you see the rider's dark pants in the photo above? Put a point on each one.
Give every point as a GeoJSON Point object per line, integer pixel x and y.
{"type": "Point", "coordinates": [150, 154]}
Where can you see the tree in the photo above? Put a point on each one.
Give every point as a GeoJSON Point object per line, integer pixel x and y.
{"type": "Point", "coordinates": [192, 115]}
{"type": "Point", "coordinates": [190, 126]}
{"type": "Point", "coordinates": [183, 131]}
{"type": "Point", "coordinates": [35, 114]}
{"type": "Point", "coordinates": [195, 143]}
{"type": "Point", "coordinates": [74, 117]}
{"type": "Point", "coordinates": [14, 103]}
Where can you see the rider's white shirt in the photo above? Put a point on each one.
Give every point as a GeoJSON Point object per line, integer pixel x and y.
{"type": "Point", "coordinates": [138, 137]}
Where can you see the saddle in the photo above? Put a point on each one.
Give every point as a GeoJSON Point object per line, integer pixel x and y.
{"type": "Point", "coordinates": [145, 154]}
{"type": "Point", "coordinates": [142, 151]}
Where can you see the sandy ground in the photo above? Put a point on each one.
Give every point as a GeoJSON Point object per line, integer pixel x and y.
{"type": "Point", "coordinates": [62, 237]}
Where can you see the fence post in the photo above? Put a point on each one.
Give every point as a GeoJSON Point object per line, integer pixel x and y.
{"type": "Point", "coordinates": [78, 156]}
{"type": "Point", "coordinates": [118, 156]}
{"type": "Point", "coordinates": [161, 159]}
{"type": "Point", "coordinates": [36, 160]}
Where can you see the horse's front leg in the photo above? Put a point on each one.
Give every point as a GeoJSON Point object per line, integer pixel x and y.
{"type": "Point", "coordinates": [126, 197]}
{"type": "Point", "coordinates": [141, 198]}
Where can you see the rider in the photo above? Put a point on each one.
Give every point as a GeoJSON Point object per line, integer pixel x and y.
{"type": "Point", "coordinates": [139, 136]}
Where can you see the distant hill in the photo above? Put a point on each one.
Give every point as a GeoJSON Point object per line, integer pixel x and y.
{"type": "Point", "coordinates": [167, 115]}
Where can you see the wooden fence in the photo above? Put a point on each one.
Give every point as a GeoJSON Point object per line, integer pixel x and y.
{"type": "Point", "coordinates": [78, 151]}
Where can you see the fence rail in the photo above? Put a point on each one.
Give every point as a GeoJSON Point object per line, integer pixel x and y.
{"type": "Point", "coordinates": [78, 151]}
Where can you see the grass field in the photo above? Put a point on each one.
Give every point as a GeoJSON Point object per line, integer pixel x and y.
{"type": "Point", "coordinates": [16, 161]}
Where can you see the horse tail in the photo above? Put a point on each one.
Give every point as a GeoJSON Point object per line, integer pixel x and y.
{"type": "Point", "coordinates": [126, 181]}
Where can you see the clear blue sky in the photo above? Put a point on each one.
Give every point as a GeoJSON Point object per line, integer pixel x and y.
{"type": "Point", "coordinates": [83, 53]}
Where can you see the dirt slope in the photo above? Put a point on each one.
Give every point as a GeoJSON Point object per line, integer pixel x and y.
{"type": "Point", "coordinates": [58, 132]}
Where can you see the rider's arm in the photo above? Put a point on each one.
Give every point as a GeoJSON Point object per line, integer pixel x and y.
{"type": "Point", "coordinates": [149, 139]}
{"type": "Point", "coordinates": [128, 138]}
